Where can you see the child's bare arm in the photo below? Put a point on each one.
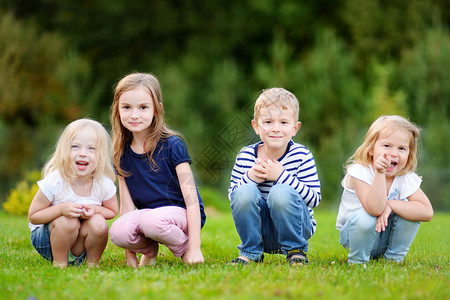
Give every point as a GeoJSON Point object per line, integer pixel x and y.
{"type": "Point", "coordinates": [372, 197]}
{"type": "Point", "coordinates": [187, 184]}
{"type": "Point", "coordinates": [126, 203]}
{"type": "Point", "coordinates": [41, 212]}
{"type": "Point", "coordinates": [108, 210]}
{"type": "Point", "coordinates": [417, 208]}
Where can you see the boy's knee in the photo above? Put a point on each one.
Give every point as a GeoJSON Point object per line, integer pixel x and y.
{"type": "Point", "coordinates": [244, 197]}
{"type": "Point", "coordinates": [281, 197]}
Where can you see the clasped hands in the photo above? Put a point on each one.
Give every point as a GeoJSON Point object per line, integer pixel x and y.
{"type": "Point", "coordinates": [75, 210]}
{"type": "Point", "coordinates": [265, 170]}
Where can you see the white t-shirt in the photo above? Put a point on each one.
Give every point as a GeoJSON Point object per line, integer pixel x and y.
{"type": "Point", "coordinates": [57, 191]}
{"type": "Point", "coordinates": [402, 187]}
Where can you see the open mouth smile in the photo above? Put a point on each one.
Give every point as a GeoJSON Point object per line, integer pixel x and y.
{"type": "Point", "coordinates": [392, 165]}
{"type": "Point", "coordinates": [82, 165]}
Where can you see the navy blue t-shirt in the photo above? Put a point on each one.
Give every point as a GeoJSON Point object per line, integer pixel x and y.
{"type": "Point", "coordinates": [153, 186]}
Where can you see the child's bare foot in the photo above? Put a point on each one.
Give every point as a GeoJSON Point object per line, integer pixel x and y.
{"type": "Point", "coordinates": [61, 265]}
{"type": "Point", "coordinates": [147, 261]}
{"type": "Point", "coordinates": [132, 260]}
{"type": "Point", "coordinates": [92, 265]}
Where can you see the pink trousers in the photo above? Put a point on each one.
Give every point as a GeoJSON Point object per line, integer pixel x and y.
{"type": "Point", "coordinates": [141, 230]}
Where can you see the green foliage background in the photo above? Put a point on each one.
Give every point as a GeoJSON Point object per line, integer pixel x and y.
{"type": "Point", "coordinates": [348, 61]}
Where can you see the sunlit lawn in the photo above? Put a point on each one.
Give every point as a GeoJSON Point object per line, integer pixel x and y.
{"type": "Point", "coordinates": [424, 275]}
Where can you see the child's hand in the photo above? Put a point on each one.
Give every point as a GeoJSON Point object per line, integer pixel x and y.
{"type": "Point", "coordinates": [89, 211]}
{"type": "Point", "coordinates": [256, 173]}
{"type": "Point", "coordinates": [382, 220]}
{"type": "Point", "coordinates": [272, 169]}
{"type": "Point", "coordinates": [70, 209]}
{"type": "Point", "coordinates": [381, 164]}
{"type": "Point", "coordinates": [194, 256]}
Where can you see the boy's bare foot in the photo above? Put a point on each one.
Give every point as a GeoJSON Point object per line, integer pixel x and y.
{"type": "Point", "coordinates": [147, 261]}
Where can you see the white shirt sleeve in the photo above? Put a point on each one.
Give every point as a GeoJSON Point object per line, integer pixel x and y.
{"type": "Point", "coordinates": [362, 173]}
{"type": "Point", "coordinates": [411, 183]}
{"type": "Point", "coordinates": [109, 188]}
{"type": "Point", "coordinates": [51, 185]}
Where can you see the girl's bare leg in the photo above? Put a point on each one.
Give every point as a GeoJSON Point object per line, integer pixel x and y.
{"type": "Point", "coordinates": [93, 238]}
{"type": "Point", "coordinates": [63, 234]}
{"type": "Point", "coordinates": [132, 260]}
{"type": "Point", "coordinates": [150, 259]}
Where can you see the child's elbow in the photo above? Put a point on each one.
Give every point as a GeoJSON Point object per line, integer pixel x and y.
{"type": "Point", "coordinates": [428, 215]}
{"type": "Point", "coordinates": [375, 211]}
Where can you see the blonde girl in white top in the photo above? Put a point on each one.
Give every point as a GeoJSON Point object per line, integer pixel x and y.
{"type": "Point", "coordinates": [75, 198]}
{"type": "Point", "coordinates": [382, 204]}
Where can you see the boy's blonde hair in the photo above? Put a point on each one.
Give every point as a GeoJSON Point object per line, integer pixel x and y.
{"type": "Point", "coordinates": [60, 160]}
{"type": "Point", "coordinates": [158, 128]}
{"type": "Point", "coordinates": [390, 124]}
{"type": "Point", "coordinates": [279, 97]}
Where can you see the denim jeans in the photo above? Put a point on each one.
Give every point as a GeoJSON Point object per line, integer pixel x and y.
{"type": "Point", "coordinates": [40, 239]}
{"type": "Point", "coordinates": [359, 237]}
{"type": "Point", "coordinates": [276, 225]}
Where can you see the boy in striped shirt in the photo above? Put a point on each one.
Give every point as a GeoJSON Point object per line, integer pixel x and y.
{"type": "Point", "coordinates": [274, 184]}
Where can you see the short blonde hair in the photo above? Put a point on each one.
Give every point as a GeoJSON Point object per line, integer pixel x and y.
{"type": "Point", "coordinates": [278, 97]}
{"type": "Point", "coordinates": [388, 124]}
{"type": "Point", "coordinates": [60, 158]}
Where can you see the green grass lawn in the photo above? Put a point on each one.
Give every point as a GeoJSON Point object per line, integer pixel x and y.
{"type": "Point", "coordinates": [424, 275]}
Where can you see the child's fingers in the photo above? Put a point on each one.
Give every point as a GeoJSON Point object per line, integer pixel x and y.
{"type": "Point", "coordinates": [262, 163]}
{"type": "Point", "coordinates": [378, 225]}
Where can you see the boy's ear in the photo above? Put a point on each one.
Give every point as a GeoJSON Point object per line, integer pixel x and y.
{"type": "Point", "coordinates": [255, 126]}
{"type": "Point", "coordinates": [297, 127]}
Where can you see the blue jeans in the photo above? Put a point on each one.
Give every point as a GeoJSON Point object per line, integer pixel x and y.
{"type": "Point", "coordinates": [359, 237]}
{"type": "Point", "coordinates": [40, 239]}
{"type": "Point", "coordinates": [278, 225]}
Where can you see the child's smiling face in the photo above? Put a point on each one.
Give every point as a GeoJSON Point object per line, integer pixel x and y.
{"type": "Point", "coordinates": [83, 157]}
{"type": "Point", "coordinates": [136, 110]}
{"type": "Point", "coordinates": [395, 145]}
{"type": "Point", "coordinates": [276, 126]}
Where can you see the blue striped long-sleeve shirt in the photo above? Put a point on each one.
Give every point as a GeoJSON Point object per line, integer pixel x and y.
{"type": "Point", "coordinates": [299, 172]}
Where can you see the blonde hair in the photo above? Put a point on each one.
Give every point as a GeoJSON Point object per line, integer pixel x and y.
{"type": "Point", "coordinates": [382, 124]}
{"type": "Point", "coordinates": [157, 130]}
{"type": "Point", "coordinates": [279, 97]}
{"type": "Point", "coordinates": [60, 159]}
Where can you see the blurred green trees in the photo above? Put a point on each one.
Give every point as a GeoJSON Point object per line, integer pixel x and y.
{"type": "Point", "coordinates": [347, 61]}
{"type": "Point", "coordinates": [44, 84]}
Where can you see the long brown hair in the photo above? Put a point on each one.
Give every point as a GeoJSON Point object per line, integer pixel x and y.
{"type": "Point", "coordinates": [157, 130]}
